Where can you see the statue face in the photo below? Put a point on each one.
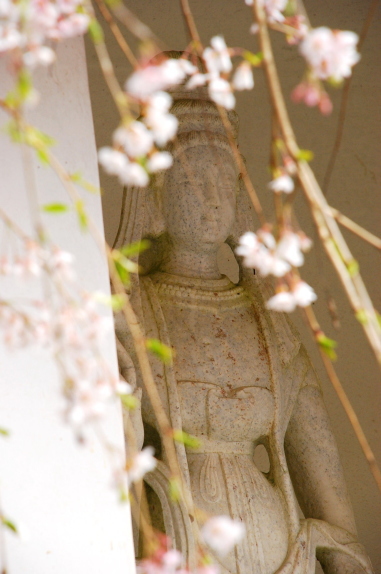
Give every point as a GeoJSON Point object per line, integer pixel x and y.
{"type": "Point", "coordinates": [200, 198]}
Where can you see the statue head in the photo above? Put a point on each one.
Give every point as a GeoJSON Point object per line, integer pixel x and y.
{"type": "Point", "coordinates": [194, 202]}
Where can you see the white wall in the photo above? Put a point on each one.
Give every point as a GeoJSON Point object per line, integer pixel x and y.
{"type": "Point", "coordinates": [59, 490]}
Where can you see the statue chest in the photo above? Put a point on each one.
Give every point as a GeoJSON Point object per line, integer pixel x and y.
{"type": "Point", "coordinates": [221, 366]}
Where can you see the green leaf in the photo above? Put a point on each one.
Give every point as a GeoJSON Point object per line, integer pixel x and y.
{"type": "Point", "coordinates": [135, 248]}
{"type": "Point", "coordinates": [253, 59]}
{"type": "Point", "coordinates": [113, 3]}
{"type": "Point", "coordinates": [130, 402]}
{"type": "Point", "coordinates": [4, 432]}
{"type": "Point", "coordinates": [174, 489]}
{"type": "Point", "coordinates": [353, 268]}
{"type": "Point", "coordinates": [37, 139]}
{"type": "Point", "coordinates": [116, 302]}
{"type": "Point", "coordinates": [82, 216]}
{"type": "Point", "coordinates": [123, 495]}
{"type": "Point", "coordinates": [43, 156]}
{"type": "Point", "coordinates": [327, 345]}
{"type": "Point", "coordinates": [186, 439]}
{"type": "Point", "coordinates": [124, 275]}
{"type": "Point", "coordinates": [362, 317]}
{"type": "Point", "coordinates": [96, 31]}
{"type": "Point", "coordinates": [163, 352]}
{"type": "Point", "coordinates": [55, 207]}
{"type": "Point", "coordinates": [305, 155]}
{"type": "Point", "coordinates": [24, 84]}
{"type": "Point", "coordinates": [9, 524]}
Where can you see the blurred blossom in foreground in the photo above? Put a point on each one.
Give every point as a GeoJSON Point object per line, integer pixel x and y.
{"type": "Point", "coordinates": [140, 464]}
{"type": "Point", "coordinates": [330, 53]}
{"type": "Point", "coordinates": [273, 8]}
{"type": "Point", "coordinates": [26, 28]}
{"type": "Point", "coordinates": [302, 295]}
{"type": "Point", "coordinates": [221, 534]}
{"type": "Point", "coordinates": [283, 183]}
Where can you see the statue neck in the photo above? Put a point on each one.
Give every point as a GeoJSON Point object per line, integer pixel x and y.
{"type": "Point", "coordinates": [186, 263]}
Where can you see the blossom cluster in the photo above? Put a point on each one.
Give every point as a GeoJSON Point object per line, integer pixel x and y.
{"type": "Point", "coordinates": [135, 152]}
{"type": "Point", "coordinates": [68, 324]}
{"type": "Point", "coordinates": [136, 143]}
{"type": "Point", "coordinates": [219, 67]}
{"type": "Point", "coordinates": [220, 533]}
{"type": "Point", "coordinates": [264, 253]}
{"type": "Point", "coordinates": [330, 54]}
{"type": "Point", "coordinates": [28, 28]}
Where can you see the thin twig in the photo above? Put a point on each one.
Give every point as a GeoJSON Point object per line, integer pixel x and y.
{"type": "Point", "coordinates": [355, 227]}
{"type": "Point", "coordinates": [344, 103]}
{"type": "Point", "coordinates": [117, 33]}
{"type": "Point", "coordinates": [329, 232]}
{"type": "Point", "coordinates": [353, 419]}
{"type": "Point", "coordinates": [192, 29]}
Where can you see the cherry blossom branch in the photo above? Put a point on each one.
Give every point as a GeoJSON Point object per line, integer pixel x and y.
{"type": "Point", "coordinates": [117, 33]}
{"type": "Point", "coordinates": [192, 28]}
{"type": "Point", "coordinates": [355, 227]}
{"type": "Point", "coordinates": [188, 16]}
{"type": "Point", "coordinates": [332, 239]}
{"type": "Point", "coordinates": [353, 419]}
{"type": "Point", "coordinates": [344, 103]}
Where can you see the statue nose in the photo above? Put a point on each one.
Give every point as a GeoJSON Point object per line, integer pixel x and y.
{"type": "Point", "coordinates": [212, 196]}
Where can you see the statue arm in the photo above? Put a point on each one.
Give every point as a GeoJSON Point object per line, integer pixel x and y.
{"type": "Point", "coordinates": [317, 474]}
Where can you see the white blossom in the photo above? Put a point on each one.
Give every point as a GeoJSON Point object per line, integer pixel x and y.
{"type": "Point", "coordinates": [221, 93]}
{"type": "Point", "coordinates": [283, 301]}
{"type": "Point", "coordinates": [197, 80]}
{"type": "Point", "coordinates": [221, 534]}
{"type": "Point", "coordinates": [288, 249]}
{"type": "Point", "coordinates": [330, 53]}
{"type": "Point", "coordinates": [145, 82]}
{"type": "Point", "coordinates": [112, 161]}
{"type": "Point", "coordinates": [303, 294]}
{"type": "Point", "coordinates": [217, 58]}
{"type": "Point", "coordinates": [141, 463]}
{"type": "Point", "coordinates": [261, 255]}
{"type": "Point", "coordinates": [283, 183]}
{"type": "Point", "coordinates": [41, 55]}
{"type": "Point", "coordinates": [274, 9]}
{"type": "Point", "coordinates": [159, 160]}
{"type": "Point", "coordinates": [134, 174]}
{"type": "Point", "coordinates": [163, 126]}
{"type": "Point", "coordinates": [135, 138]}
{"type": "Point", "coordinates": [305, 242]}
{"type": "Point", "coordinates": [243, 77]}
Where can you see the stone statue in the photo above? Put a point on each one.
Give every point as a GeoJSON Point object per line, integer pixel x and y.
{"type": "Point", "coordinates": [240, 376]}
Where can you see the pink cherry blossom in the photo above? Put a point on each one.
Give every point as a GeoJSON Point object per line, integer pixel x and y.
{"type": "Point", "coordinates": [221, 534]}
{"type": "Point", "coordinates": [330, 53]}
{"type": "Point", "coordinates": [273, 8]}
